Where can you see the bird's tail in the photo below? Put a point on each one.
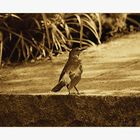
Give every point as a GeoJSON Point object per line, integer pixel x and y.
{"type": "Point", "coordinates": [59, 86]}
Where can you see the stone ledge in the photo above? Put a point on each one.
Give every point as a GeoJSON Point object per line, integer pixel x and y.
{"type": "Point", "coordinates": [69, 110]}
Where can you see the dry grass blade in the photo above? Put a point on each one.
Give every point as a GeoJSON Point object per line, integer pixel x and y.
{"type": "Point", "coordinates": [133, 21]}
{"type": "Point", "coordinates": [1, 47]}
{"type": "Point", "coordinates": [47, 30]}
{"type": "Point", "coordinates": [37, 23]}
{"type": "Point", "coordinates": [15, 16]}
{"type": "Point", "coordinates": [18, 35]}
{"type": "Point", "coordinates": [99, 23]}
{"type": "Point", "coordinates": [81, 28]}
{"type": "Point", "coordinates": [15, 47]}
{"type": "Point", "coordinates": [90, 24]}
{"type": "Point", "coordinates": [79, 22]}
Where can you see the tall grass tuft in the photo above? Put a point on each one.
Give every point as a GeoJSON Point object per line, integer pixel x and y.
{"type": "Point", "coordinates": [29, 36]}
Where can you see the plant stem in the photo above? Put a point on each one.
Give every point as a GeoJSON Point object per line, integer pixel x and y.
{"type": "Point", "coordinates": [1, 47]}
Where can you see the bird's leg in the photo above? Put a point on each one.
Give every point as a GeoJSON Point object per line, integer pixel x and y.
{"type": "Point", "coordinates": [68, 90]}
{"type": "Point", "coordinates": [76, 90]}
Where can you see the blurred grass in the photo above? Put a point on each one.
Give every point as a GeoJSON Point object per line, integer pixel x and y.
{"type": "Point", "coordinates": [28, 36]}
{"type": "Point", "coordinates": [32, 36]}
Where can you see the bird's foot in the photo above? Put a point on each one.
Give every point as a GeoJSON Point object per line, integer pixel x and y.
{"type": "Point", "coordinates": [77, 93]}
{"type": "Point", "coordinates": [77, 90]}
{"type": "Point", "coordinates": [74, 93]}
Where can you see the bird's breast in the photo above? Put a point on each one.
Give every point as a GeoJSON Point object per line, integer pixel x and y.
{"type": "Point", "coordinates": [76, 66]}
{"type": "Point", "coordinates": [76, 69]}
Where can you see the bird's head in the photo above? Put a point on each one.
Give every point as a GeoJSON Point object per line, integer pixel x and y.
{"type": "Point", "coordinates": [76, 51]}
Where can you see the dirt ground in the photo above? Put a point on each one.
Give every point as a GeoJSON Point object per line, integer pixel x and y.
{"type": "Point", "coordinates": [109, 69]}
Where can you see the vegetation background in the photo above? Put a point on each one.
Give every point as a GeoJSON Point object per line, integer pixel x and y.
{"type": "Point", "coordinates": [27, 37]}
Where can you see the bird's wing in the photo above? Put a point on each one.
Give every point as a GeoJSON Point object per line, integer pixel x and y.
{"type": "Point", "coordinates": [65, 69]}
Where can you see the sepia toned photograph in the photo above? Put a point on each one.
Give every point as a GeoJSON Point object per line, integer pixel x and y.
{"type": "Point", "coordinates": [69, 69]}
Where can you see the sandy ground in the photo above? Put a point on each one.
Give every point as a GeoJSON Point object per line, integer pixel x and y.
{"type": "Point", "coordinates": [110, 69]}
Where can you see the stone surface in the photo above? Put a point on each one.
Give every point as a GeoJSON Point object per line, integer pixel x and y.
{"type": "Point", "coordinates": [72, 110]}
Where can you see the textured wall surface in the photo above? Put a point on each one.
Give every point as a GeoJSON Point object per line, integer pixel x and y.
{"type": "Point", "coordinates": [72, 110]}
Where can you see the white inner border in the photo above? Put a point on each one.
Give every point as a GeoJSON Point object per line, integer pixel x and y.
{"type": "Point", "coordinates": [69, 6]}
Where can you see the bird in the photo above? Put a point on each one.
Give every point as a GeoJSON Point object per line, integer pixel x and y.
{"type": "Point", "coordinates": [72, 71]}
